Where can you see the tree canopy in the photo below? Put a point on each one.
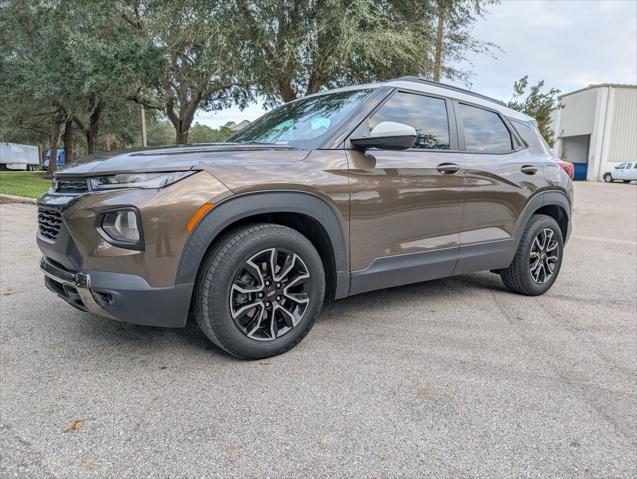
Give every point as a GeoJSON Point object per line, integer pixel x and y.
{"type": "Point", "coordinates": [80, 70]}
{"type": "Point", "coordinates": [537, 103]}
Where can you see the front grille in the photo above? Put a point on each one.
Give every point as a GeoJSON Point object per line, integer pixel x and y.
{"type": "Point", "coordinates": [49, 222]}
{"type": "Point", "coordinates": [71, 185]}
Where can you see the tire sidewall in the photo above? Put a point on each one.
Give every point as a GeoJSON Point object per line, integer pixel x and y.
{"type": "Point", "coordinates": [608, 178]}
{"type": "Point", "coordinates": [525, 252]}
{"type": "Point", "coordinates": [217, 307]}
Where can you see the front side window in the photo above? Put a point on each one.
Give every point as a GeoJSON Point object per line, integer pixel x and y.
{"type": "Point", "coordinates": [303, 121]}
{"type": "Point", "coordinates": [427, 115]}
{"type": "Point", "coordinates": [484, 131]}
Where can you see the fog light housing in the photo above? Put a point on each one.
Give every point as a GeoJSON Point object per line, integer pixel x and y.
{"type": "Point", "coordinates": [121, 228]}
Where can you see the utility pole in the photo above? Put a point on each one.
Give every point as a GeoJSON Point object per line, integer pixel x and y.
{"type": "Point", "coordinates": [144, 139]}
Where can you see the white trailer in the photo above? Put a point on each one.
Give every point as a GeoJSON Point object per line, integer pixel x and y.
{"type": "Point", "coordinates": [19, 157]}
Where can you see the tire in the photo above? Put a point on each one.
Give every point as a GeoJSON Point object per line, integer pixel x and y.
{"type": "Point", "coordinates": [626, 181]}
{"type": "Point", "coordinates": [240, 262]}
{"type": "Point", "coordinates": [608, 178]}
{"type": "Point", "coordinates": [519, 277]}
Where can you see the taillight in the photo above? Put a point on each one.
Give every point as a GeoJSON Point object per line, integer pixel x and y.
{"type": "Point", "coordinates": [568, 167]}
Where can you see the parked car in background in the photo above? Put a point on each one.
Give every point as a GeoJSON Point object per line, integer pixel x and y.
{"type": "Point", "coordinates": [14, 156]}
{"type": "Point", "coordinates": [60, 159]}
{"type": "Point", "coordinates": [331, 195]}
{"type": "Point", "coordinates": [625, 172]}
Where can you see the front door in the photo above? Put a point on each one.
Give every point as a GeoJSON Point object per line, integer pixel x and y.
{"type": "Point", "coordinates": [406, 206]}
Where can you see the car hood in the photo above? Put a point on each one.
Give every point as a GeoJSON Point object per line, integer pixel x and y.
{"type": "Point", "coordinates": [178, 158]}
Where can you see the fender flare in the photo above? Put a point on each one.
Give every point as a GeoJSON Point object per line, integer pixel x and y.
{"type": "Point", "coordinates": [543, 198]}
{"type": "Point", "coordinates": [243, 206]}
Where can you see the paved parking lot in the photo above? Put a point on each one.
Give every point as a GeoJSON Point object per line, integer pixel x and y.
{"type": "Point", "coordinates": [454, 378]}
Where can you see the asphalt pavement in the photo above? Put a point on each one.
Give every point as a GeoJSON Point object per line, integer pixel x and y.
{"type": "Point", "coordinates": [454, 378]}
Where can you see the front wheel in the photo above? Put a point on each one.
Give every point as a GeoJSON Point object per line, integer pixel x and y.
{"type": "Point", "coordinates": [608, 177]}
{"type": "Point", "coordinates": [259, 291]}
{"type": "Point", "coordinates": [538, 259]}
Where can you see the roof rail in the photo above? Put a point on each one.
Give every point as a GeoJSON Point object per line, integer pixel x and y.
{"type": "Point", "coordinates": [450, 87]}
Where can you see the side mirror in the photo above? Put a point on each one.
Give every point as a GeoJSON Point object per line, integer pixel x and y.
{"type": "Point", "coordinates": [387, 135]}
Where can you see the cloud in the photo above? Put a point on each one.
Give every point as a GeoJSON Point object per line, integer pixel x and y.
{"type": "Point", "coordinates": [569, 44]}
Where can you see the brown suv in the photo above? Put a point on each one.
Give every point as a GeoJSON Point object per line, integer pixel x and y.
{"type": "Point", "coordinates": [334, 194]}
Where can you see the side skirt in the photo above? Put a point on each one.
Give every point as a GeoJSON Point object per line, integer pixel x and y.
{"type": "Point", "coordinates": [390, 271]}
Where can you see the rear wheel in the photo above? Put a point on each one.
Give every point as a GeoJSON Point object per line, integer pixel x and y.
{"type": "Point", "coordinates": [538, 259]}
{"type": "Point", "coordinates": [608, 177]}
{"type": "Point", "coordinates": [259, 291]}
{"type": "Point", "coordinates": [626, 181]}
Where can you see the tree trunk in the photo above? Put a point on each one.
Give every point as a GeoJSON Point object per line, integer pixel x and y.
{"type": "Point", "coordinates": [439, 46]}
{"type": "Point", "coordinates": [286, 90]}
{"type": "Point", "coordinates": [93, 127]}
{"type": "Point", "coordinates": [54, 138]}
{"type": "Point", "coordinates": [183, 122]}
{"type": "Point", "coordinates": [69, 141]}
{"type": "Point", "coordinates": [314, 84]}
{"type": "Point", "coordinates": [181, 130]}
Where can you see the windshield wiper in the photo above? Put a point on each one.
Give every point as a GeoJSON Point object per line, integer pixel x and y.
{"type": "Point", "coordinates": [256, 143]}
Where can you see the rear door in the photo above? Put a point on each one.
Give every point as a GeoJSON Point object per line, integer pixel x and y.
{"type": "Point", "coordinates": [501, 173]}
{"type": "Point", "coordinates": [406, 206]}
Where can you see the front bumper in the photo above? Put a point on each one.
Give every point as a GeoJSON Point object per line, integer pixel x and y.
{"type": "Point", "coordinates": [119, 296]}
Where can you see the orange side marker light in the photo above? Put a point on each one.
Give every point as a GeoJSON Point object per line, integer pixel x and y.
{"type": "Point", "coordinates": [192, 222]}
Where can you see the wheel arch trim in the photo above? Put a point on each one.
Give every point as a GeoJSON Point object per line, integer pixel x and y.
{"type": "Point", "coordinates": [245, 205]}
{"type": "Point", "coordinates": [540, 200]}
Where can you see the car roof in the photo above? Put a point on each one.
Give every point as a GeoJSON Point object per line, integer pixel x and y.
{"type": "Point", "coordinates": [449, 91]}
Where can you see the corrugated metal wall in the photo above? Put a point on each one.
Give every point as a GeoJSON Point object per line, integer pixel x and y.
{"type": "Point", "coordinates": [623, 134]}
{"type": "Point", "coordinates": [576, 118]}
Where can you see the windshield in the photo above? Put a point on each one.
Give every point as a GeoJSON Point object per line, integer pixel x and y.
{"type": "Point", "coordinates": [301, 121]}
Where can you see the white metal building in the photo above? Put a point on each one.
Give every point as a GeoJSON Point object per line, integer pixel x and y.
{"type": "Point", "coordinates": [596, 127]}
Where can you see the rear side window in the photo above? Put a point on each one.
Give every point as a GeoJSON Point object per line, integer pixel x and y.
{"type": "Point", "coordinates": [427, 115]}
{"type": "Point", "coordinates": [530, 137]}
{"type": "Point", "coordinates": [484, 131]}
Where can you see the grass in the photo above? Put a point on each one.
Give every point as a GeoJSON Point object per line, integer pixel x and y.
{"type": "Point", "coordinates": [23, 183]}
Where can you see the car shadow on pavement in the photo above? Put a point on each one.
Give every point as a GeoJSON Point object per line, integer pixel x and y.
{"type": "Point", "coordinates": [346, 310]}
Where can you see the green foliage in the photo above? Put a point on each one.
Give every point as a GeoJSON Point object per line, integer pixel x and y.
{"type": "Point", "coordinates": [200, 50]}
{"type": "Point", "coordinates": [536, 103]}
{"type": "Point", "coordinates": [68, 60]}
{"type": "Point", "coordinates": [89, 64]}
{"type": "Point", "coordinates": [204, 134]}
{"type": "Point", "coordinates": [296, 48]}
{"type": "Point", "coordinates": [162, 133]}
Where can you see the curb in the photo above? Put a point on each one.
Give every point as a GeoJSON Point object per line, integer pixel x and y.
{"type": "Point", "coordinates": [19, 199]}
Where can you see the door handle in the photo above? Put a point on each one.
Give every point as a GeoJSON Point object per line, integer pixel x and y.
{"type": "Point", "coordinates": [529, 169]}
{"type": "Point", "coordinates": [448, 168]}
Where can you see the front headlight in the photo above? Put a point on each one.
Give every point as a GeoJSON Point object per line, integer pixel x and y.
{"type": "Point", "coordinates": [138, 180]}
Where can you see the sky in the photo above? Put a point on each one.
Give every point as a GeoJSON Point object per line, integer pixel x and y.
{"type": "Point", "coordinates": [569, 44]}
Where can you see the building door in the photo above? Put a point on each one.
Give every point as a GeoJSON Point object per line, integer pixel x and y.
{"type": "Point", "coordinates": [575, 149]}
